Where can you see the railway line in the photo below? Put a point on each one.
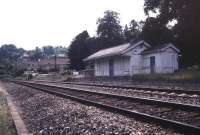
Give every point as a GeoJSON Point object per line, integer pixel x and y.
{"type": "Point", "coordinates": [182, 117]}
{"type": "Point", "coordinates": [181, 96]}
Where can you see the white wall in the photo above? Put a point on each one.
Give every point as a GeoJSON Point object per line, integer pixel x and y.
{"type": "Point", "coordinates": [146, 63]}
{"type": "Point", "coordinates": [101, 67]}
{"type": "Point", "coordinates": [165, 62]}
{"type": "Point", "coordinates": [135, 63]}
{"type": "Point", "coordinates": [169, 61]}
{"type": "Point", "coordinates": [121, 66]}
{"type": "Point", "coordinates": [136, 60]}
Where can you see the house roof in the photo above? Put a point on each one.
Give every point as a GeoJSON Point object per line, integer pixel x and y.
{"type": "Point", "coordinates": [113, 51]}
{"type": "Point", "coordinates": [160, 48]}
{"type": "Point", "coordinates": [108, 52]}
{"type": "Point", "coordinates": [122, 49]}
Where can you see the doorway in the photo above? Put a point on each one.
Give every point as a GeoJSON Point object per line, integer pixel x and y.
{"type": "Point", "coordinates": [152, 64]}
{"type": "Point", "coordinates": [111, 68]}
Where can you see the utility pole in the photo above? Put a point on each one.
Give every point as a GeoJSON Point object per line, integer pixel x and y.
{"type": "Point", "coordinates": [55, 62]}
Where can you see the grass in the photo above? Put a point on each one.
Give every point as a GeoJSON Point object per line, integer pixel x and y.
{"type": "Point", "coordinates": [6, 123]}
{"type": "Point", "coordinates": [178, 76]}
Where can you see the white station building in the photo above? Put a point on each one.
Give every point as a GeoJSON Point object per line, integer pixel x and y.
{"type": "Point", "coordinates": [137, 57]}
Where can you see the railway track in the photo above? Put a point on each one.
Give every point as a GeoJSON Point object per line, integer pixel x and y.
{"type": "Point", "coordinates": [181, 96]}
{"type": "Point", "coordinates": [178, 91]}
{"type": "Point", "coordinates": [182, 117]}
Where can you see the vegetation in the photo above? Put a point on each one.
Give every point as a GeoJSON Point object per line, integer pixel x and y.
{"type": "Point", "coordinates": [78, 50]}
{"type": "Point", "coordinates": [175, 21]}
{"type": "Point", "coordinates": [6, 124]}
{"type": "Point", "coordinates": [184, 75]}
{"type": "Point", "coordinates": [186, 32]}
{"type": "Point", "coordinates": [109, 30]}
{"type": "Point", "coordinates": [10, 55]}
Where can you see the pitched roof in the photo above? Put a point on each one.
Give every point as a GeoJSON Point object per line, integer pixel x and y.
{"type": "Point", "coordinates": [108, 52]}
{"type": "Point", "coordinates": [160, 48]}
{"type": "Point", "coordinates": [117, 50]}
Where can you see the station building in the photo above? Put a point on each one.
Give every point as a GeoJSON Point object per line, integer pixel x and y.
{"type": "Point", "coordinates": [136, 57]}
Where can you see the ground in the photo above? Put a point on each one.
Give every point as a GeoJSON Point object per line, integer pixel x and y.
{"type": "Point", "coordinates": [47, 114]}
{"type": "Point", "coordinates": [6, 123]}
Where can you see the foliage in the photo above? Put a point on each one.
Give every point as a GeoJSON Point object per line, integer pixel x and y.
{"type": "Point", "coordinates": [9, 54]}
{"type": "Point", "coordinates": [132, 31]}
{"type": "Point", "coordinates": [78, 50]}
{"type": "Point", "coordinates": [60, 50]}
{"type": "Point", "coordinates": [186, 31]}
{"type": "Point", "coordinates": [36, 54]}
{"type": "Point", "coordinates": [109, 30]}
{"type": "Point", "coordinates": [48, 50]}
{"type": "Point", "coordinates": [155, 33]}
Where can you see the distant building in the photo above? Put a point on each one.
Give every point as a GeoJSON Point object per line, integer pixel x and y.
{"type": "Point", "coordinates": [60, 62]}
{"type": "Point", "coordinates": [136, 57]}
{"type": "Point", "coordinates": [26, 63]}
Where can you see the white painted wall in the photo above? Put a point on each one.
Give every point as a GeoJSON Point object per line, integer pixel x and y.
{"type": "Point", "coordinates": [136, 59]}
{"type": "Point", "coordinates": [169, 61]}
{"type": "Point", "coordinates": [135, 63]}
{"type": "Point", "coordinates": [165, 62]}
{"type": "Point", "coordinates": [101, 67]}
{"type": "Point", "coordinates": [121, 66]}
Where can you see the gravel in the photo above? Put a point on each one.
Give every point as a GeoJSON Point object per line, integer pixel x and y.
{"type": "Point", "coordinates": [166, 96]}
{"type": "Point", "coordinates": [46, 114]}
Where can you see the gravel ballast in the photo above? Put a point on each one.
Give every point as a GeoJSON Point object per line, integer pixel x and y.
{"type": "Point", "coordinates": [47, 114]}
{"type": "Point", "coordinates": [165, 96]}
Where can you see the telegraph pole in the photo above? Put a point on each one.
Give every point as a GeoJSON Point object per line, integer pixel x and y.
{"type": "Point", "coordinates": [55, 62]}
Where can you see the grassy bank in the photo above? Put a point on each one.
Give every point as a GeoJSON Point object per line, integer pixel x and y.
{"type": "Point", "coordinates": [178, 76]}
{"type": "Point", "coordinates": [6, 123]}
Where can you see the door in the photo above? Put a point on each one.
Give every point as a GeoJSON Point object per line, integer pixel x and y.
{"type": "Point", "coordinates": [111, 68]}
{"type": "Point", "coordinates": [152, 64]}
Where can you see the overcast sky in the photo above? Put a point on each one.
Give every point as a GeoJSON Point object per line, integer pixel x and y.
{"type": "Point", "coordinates": [31, 23]}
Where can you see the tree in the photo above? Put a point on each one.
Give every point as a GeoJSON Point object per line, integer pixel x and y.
{"type": "Point", "coordinates": [109, 30]}
{"type": "Point", "coordinates": [78, 50]}
{"type": "Point", "coordinates": [48, 50]}
{"type": "Point", "coordinates": [61, 50]}
{"type": "Point", "coordinates": [37, 54]}
{"type": "Point", "coordinates": [186, 31]}
{"type": "Point", "coordinates": [155, 33]}
{"type": "Point", "coordinates": [9, 54]}
{"type": "Point", "coordinates": [132, 31]}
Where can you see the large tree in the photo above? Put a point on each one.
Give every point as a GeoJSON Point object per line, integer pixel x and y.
{"type": "Point", "coordinates": [155, 33]}
{"type": "Point", "coordinates": [78, 50]}
{"type": "Point", "coordinates": [9, 54]}
{"type": "Point", "coordinates": [109, 30]}
{"type": "Point", "coordinates": [186, 30]}
{"type": "Point", "coordinates": [48, 50]}
{"type": "Point", "coordinates": [131, 31]}
{"type": "Point", "coordinates": [36, 54]}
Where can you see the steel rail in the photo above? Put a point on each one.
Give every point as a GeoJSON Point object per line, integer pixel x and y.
{"type": "Point", "coordinates": [178, 91]}
{"type": "Point", "coordinates": [145, 100]}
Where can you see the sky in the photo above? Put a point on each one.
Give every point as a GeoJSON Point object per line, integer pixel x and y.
{"type": "Point", "coordinates": [31, 23]}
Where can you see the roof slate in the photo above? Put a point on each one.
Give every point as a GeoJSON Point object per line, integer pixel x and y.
{"type": "Point", "coordinates": [117, 50]}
